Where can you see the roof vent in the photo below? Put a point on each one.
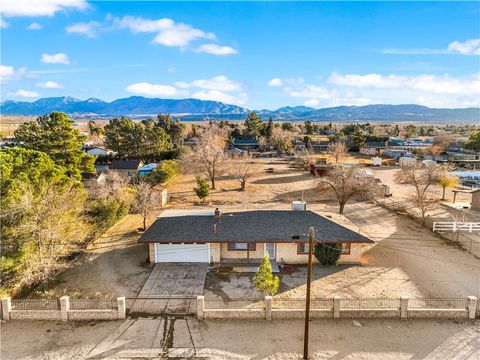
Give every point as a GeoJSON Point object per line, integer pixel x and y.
{"type": "Point", "coordinates": [217, 213]}
{"type": "Point", "coordinates": [299, 205]}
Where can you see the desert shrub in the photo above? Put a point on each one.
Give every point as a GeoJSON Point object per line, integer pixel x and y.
{"type": "Point", "coordinates": [327, 254]}
{"type": "Point", "coordinates": [164, 172]}
{"type": "Point", "coordinates": [105, 213]}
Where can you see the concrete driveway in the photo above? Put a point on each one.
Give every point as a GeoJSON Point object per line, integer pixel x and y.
{"type": "Point", "coordinates": [175, 279]}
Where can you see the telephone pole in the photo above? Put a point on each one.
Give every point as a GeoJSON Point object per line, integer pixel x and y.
{"type": "Point", "coordinates": [311, 235]}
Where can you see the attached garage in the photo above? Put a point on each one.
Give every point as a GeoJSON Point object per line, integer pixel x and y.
{"type": "Point", "coordinates": [186, 253]}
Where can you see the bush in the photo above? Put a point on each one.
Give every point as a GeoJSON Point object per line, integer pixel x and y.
{"type": "Point", "coordinates": [166, 171]}
{"type": "Point", "coordinates": [327, 254]}
{"type": "Point", "coordinates": [105, 213]}
{"type": "Point", "coordinates": [202, 188]}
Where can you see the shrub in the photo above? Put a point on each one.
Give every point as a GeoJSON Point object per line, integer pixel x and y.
{"type": "Point", "coordinates": [264, 280]}
{"type": "Point", "coordinates": [105, 213]}
{"type": "Point", "coordinates": [202, 188]}
{"type": "Point", "coordinates": [164, 172]}
{"type": "Point", "coordinates": [327, 254]}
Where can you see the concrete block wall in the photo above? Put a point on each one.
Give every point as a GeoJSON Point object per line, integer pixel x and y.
{"type": "Point", "coordinates": [270, 312]}
{"type": "Point", "coordinates": [65, 313]}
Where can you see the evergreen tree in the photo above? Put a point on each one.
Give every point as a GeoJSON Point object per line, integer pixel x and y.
{"type": "Point", "coordinates": [55, 135]}
{"type": "Point", "coordinates": [264, 280]}
{"type": "Point", "coordinates": [253, 126]}
{"type": "Point", "coordinates": [358, 137]}
{"type": "Point", "coordinates": [202, 188]}
{"type": "Point", "coordinates": [269, 128]}
{"type": "Point", "coordinates": [174, 128]}
{"type": "Point", "coordinates": [473, 143]}
{"type": "Point", "coordinates": [327, 254]}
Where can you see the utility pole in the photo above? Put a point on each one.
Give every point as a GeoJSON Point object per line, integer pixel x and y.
{"type": "Point", "coordinates": [311, 235]}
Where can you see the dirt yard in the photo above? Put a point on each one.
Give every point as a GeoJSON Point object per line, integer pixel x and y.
{"type": "Point", "coordinates": [405, 261]}
{"type": "Point", "coordinates": [114, 265]}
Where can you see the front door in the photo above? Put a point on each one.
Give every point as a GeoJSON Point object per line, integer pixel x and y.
{"type": "Point", "coordinates": [270, 249]}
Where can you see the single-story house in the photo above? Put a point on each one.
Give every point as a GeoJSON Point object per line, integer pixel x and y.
{"type": "Point", "coordinates": [395, 153]}
{"type": "Point", "coordinates": [213, 237]}
{"type": "Point", "coordinates": [126, 168]}
{"type": "Point", "coordinates": [97, 151]}
{"type": "Point", "coordinates": [245, 144]}
{"type": "Point", "coordinates": [373, 148]}
{"type": "Point", "coordinates": [147, 169]}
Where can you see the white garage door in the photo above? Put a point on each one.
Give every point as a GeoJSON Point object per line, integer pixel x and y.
{"type": "Point", "coordinates": [182, 253]}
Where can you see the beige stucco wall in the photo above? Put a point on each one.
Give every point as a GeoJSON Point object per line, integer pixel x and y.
{"type": "Point", "coordinates": [215, 252]}
{"type": "Point", "coordinates": [288, 252]}
{"type": "Point", "coordinates": [257, 254]}
{"type": "Point", "coordinates": [151, 252]}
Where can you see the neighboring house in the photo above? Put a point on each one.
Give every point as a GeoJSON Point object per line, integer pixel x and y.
{"type": "Point", "coordinates": [97, 151]}
{"type": "Point", "coordinates": [211, 237]}
{"type": "Point", "coordinates": [246, 145]}
{"type": "Point", "coordinates": [126, 168]}
{"type": "Point", "coordinates": [395, 153]}
{"type": "Point", "coordinates": [319, 146]}
{"type": "Point", "coordinates": [373, 148]}
{"type": "Point", "coordinates": [147, 169]}
{"type": "Point", "coordinates": [101, 168]}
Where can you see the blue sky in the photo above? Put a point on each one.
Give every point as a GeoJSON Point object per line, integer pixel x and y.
{"type": "Point", "coordinates": [258, 55]}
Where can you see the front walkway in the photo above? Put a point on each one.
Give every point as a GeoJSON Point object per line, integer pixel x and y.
{"type": "Point", "coordinates": [175, 279]}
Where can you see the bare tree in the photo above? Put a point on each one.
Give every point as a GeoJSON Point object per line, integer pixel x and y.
{"type": "Point", "coordinates": [433, 150]}
{"type": "Point", "coordinates": [146, 202]}
{"type": "Point", "coordinates": [447, 180]}
{"type": "Point", "coordinates": [338, 150]}
{"type": "Point", "coordinates": [422, 177]}
{"type": "Point", "coordinates": [281, 140]}
{"type": "Point", "coordinates": [244, 168]}
{"type": "Point", "coordinates": [49, 226]}
{"type": "Point", "coordinates": [208, 155]}
{"type": "Point", "coordinates": [350, 183]}
{"type": "Point", "coordinates": [109, 185]}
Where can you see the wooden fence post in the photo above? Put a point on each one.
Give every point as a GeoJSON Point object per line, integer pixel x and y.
{"type": "Point", "coordinates": [6, 307]}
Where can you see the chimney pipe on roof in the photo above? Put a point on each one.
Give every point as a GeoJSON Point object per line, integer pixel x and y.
{"type": "Point", "coordinates": [214, 228]}
{"type": "Point", "coordinates": [218, 214]}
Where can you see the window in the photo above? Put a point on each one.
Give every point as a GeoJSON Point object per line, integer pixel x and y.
{"type": "Point", "coordinates": [241, 246]}
{"type": "Point", "coordinates": [345, 248]}
{"type": "Point", "coordinates": [302, 248]}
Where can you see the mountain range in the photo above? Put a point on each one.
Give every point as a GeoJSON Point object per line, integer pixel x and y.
{"type": "Point", "coordinates": [194, 109]}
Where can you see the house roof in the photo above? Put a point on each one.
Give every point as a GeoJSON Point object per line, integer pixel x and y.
{"type": "Point", "coordinates": [249, 226]}
{"type": "Point", "coordinates": [126, 164]}
{"type": "Point", "coordinates": [245, 142]}
{"type": "Point", "coordinates": [376, 144]}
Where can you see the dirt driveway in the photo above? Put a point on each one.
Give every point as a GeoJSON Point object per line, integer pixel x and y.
{"type": "Point", "coordinates": [114, 265]}
{"type": "Point", "coordinates": [375, 339]}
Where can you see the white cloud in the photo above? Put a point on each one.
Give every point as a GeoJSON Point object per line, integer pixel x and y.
{"type": "Point", "coordinates": [312, 102]}
{"type": "Point", "coordinates": [312, 91]}
{"type": "Point", "coordinates": [171, 69]}
{"type": "Point", "coordinates": [215, 49]}
{"type": "Point", "coordinates": [59, 58]}
{"type": "Point", "coordinates": [50, 85]}
{"type": "Point", "coordinates": [169, 33]}
{"type": "Point", "coordinates": [34, 26]}
{"type": "Point", "coordinates": [220, 83]}
{"type": "Point", "coordinates": [215, 95]}
{"type": "Point", "coordinates": [88, 29]}
{"type": "Point", "coordinates": [275, 82]}
{"type": "Point", "coordinates": [27, 94]}
{"type": "Point", "coordinates": [440, 84]}
{"type": "Point", "coordinates": [154, 90]}
{"type": "Point", "coordinates": [469, 47]}
{"type": "Point", "coordinates": [11, 8]}
{"type": "Point", "coordinates": [8, 73]}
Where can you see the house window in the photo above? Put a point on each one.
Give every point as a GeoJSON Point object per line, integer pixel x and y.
{"type": "Point", "coordinates": [241, 246]}
{"type": "Point", "coordinates": [345, 248]}
{"type": "Point", "coordinates": [302, 248]}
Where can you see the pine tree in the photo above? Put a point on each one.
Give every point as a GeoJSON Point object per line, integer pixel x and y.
{"type": "Point", "coordinates": [202, 188]}
{"type": "Point", "coordinates": [264, 280]}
